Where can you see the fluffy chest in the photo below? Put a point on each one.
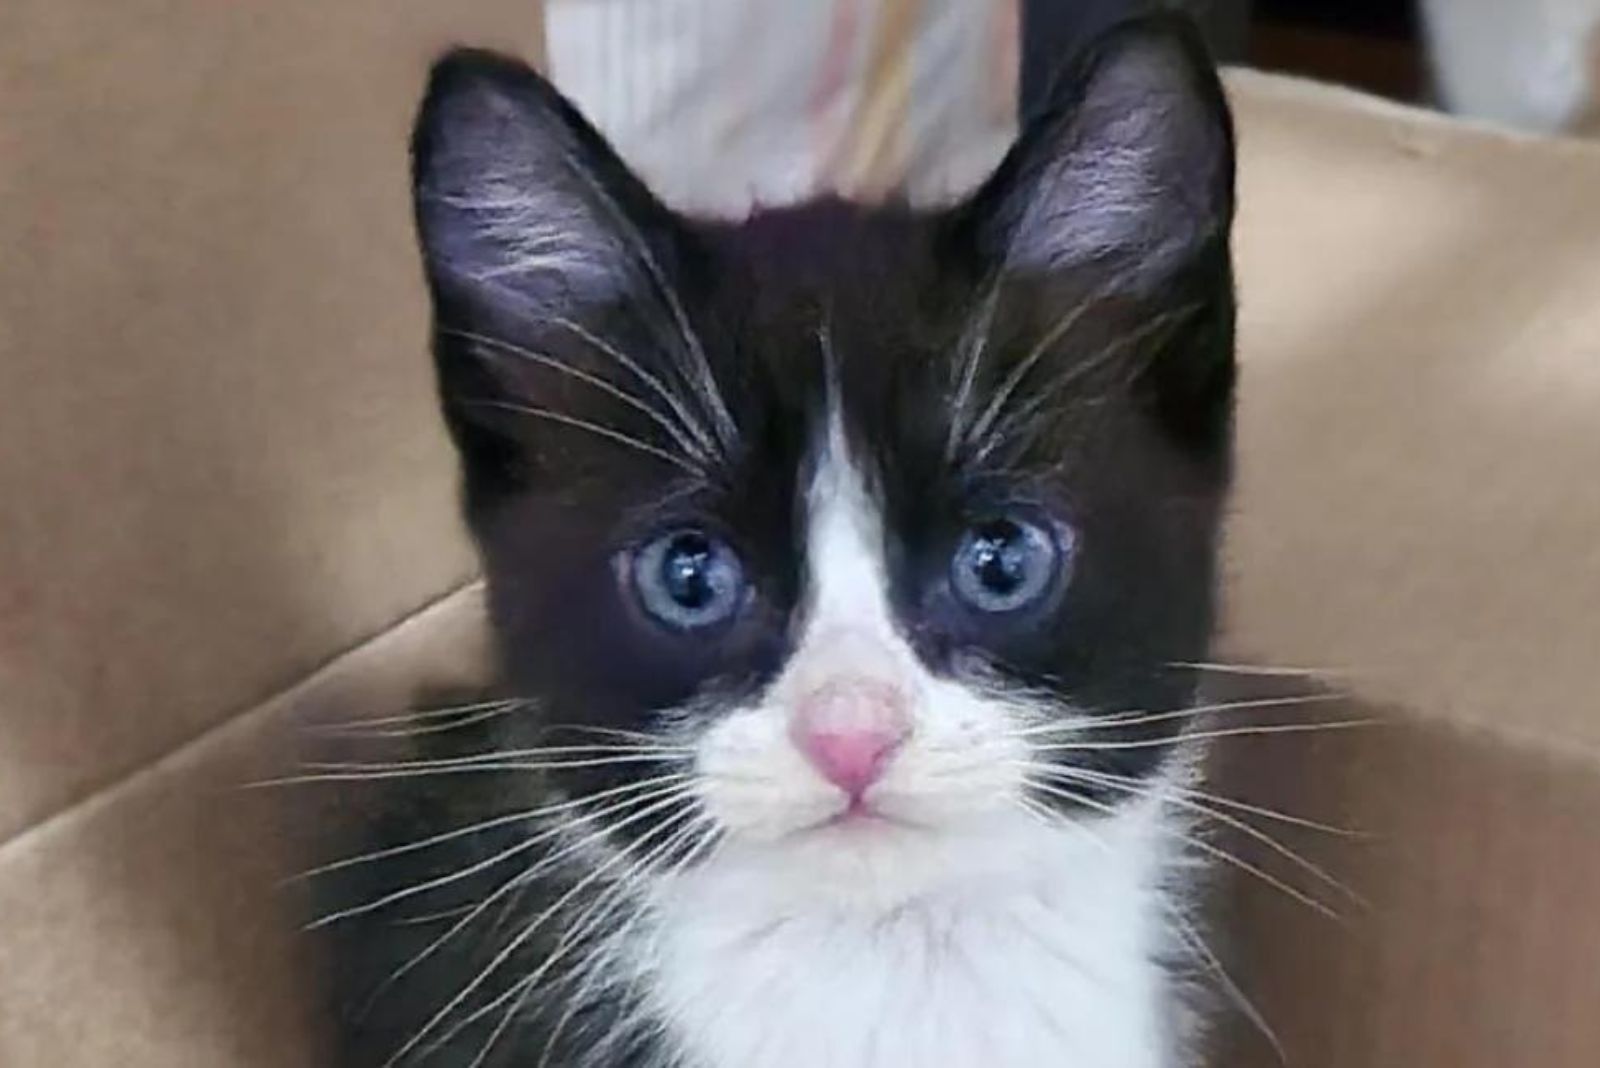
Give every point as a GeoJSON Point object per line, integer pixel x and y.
{"type": "Point", "coordinates": [1041, 957]}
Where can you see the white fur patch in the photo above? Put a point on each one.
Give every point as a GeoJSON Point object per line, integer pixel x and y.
{"type": "Point", "coordinates": [1024, 946]}
{"type": "Point", "coordinates": [960, 931]}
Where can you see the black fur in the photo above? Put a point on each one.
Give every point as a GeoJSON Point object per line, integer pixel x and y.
{"type": "Point", "coordinates": [1126, 437]}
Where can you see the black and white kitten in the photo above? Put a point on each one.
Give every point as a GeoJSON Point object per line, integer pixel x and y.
{"type": "Point", "coordinates": [847, 566]}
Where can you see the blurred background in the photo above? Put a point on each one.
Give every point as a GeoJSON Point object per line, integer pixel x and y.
{"type": "Point", "coordinates": [866, 97]}
{"type": "Point", "coordinates": [1534, 64]}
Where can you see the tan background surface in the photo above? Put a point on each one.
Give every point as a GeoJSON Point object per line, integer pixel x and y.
{"type": "Point", "coordinates": [219, 456]}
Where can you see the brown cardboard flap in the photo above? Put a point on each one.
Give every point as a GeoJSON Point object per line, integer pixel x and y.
{"type": "Point", "coordinates": [1418, 441]}
{"type": "Point", "coordinates": [152, 926]}
{"type": "Point", "coordinates": [1418, 507]}
{"type": "Point", "coordinates": [220, 458]}
{"type": "Point", "coordinates": [1479, 941]}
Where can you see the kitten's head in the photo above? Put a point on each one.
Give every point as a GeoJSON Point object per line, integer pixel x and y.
{"type": "Point", "coordinates": [889, 524]}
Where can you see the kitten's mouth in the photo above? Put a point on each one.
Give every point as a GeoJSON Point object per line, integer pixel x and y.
{"type": "Point", "coordinates": [862, 816]}
{"type": "Point", "coordinates": [856, 814]}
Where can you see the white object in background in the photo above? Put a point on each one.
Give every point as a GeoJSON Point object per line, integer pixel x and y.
{"type": "Point", "coordinates": [725, 104]}
{"type": "Point", "coordinates": [1527, 63]}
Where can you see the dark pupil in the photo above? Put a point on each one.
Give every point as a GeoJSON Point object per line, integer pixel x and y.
{"type": "Point", "coordinates": [999, 557]}
{"type": "Point", "coordinates": [686, 572]}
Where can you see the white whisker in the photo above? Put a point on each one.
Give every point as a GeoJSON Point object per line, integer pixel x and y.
{"type": "Point", "coordinates": [705, 381]}
{"type": "Point", "coordinates": [1136, 789]}
{"type": "Point", "coordinates": [1201, 736]}
{"type": "Point", "coordinates": [1078, 798]}
{"type": "Point", "coordinates": [522, 816]}
{"type": "Point", "coordinates": [686, 419]}
{"type": "Point", "coordinates": [643, 737]}
{"type": "Point", "coordinates": [588, 972]}
{"type": "Point", "coordinates": [997, 433]}
{"type": "Point", "coordinates": [472, 766]}
{"type": "Point", "coordinates": [1264, 670]}
{"type": "Point", "coordinates": [690, 446]}
{"type": "Point", "coordinates": [447, 725]}
{"type": "Point", "coordinates": [669, 794]}
{"type": "Point", "coordinates": [610, 433]}
{"type": "Point", "coordinates": [502, 756]}
{"type": "Point", "coordinates": [981, 426]}
{"type": "Point", "coordinates": [505, 953]}
{"type": "Point", "coordinates": [1197, 945]}
{"type": "Point", "coordinates": [974, 344]}
{"type": "Point", "coordinates": [426, 716]}
{"type": "Point", "coordinates": [431, 917]}
{"type": "Point", "coordinates": [521, 879]}
{"type": "Point", "coordinates": [1091, 722]}
{"type": "Point", "coordinates": [1242, 806]}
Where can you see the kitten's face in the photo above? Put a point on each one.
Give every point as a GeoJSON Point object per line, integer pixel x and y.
{"type": "Point", "coordinates": [873, 531]}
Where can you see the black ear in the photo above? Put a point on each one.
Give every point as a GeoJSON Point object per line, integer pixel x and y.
{"type": "Point", "coordinates": [1129, 169]}
{"type": "Point", "coordinates": [554, 276]}
{"type": "Point", "coordinates": [1116, 204]}
{"type": "Point", "coordinates": [521, 206]}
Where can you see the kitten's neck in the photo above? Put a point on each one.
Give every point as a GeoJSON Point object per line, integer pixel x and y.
{"type": "Point", "coordinates": [1056, 960]}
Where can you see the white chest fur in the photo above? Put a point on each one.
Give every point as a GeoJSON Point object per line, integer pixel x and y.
{"type": "Point", "coordinates": [1036, 949]}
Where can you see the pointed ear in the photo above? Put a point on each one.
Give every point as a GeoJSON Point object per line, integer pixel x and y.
{"type": "Point", "coordinates": [554, 275]}
{"type": "Point", "coordinates": [522, 208]}
{"type": "Point", "coordinates": [1130, 168]}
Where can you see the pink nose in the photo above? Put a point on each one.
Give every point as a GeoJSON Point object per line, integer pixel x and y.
{"type": "Point", "coordinates": [848, 729]}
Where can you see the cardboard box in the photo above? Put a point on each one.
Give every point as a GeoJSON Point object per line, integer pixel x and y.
{"type": "Point", "coordinates": [228, 504]}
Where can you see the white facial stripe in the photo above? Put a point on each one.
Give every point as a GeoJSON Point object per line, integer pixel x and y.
{"type": "Point", "coordinates": [848, 625]}
{"type": "Point", "coordinates": [753, 778]}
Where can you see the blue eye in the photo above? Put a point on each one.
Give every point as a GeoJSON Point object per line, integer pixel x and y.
{"type": "Point", "coordinates": [1005, 564]}
{"type": "Point", "coordinates": [688, 580]}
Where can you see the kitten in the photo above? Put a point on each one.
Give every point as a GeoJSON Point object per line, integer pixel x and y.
{"type": "Point", "coordinates": [844, 564]}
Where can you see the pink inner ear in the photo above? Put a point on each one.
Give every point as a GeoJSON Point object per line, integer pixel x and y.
{"type": "Point", "coordinates": [849, 728]}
